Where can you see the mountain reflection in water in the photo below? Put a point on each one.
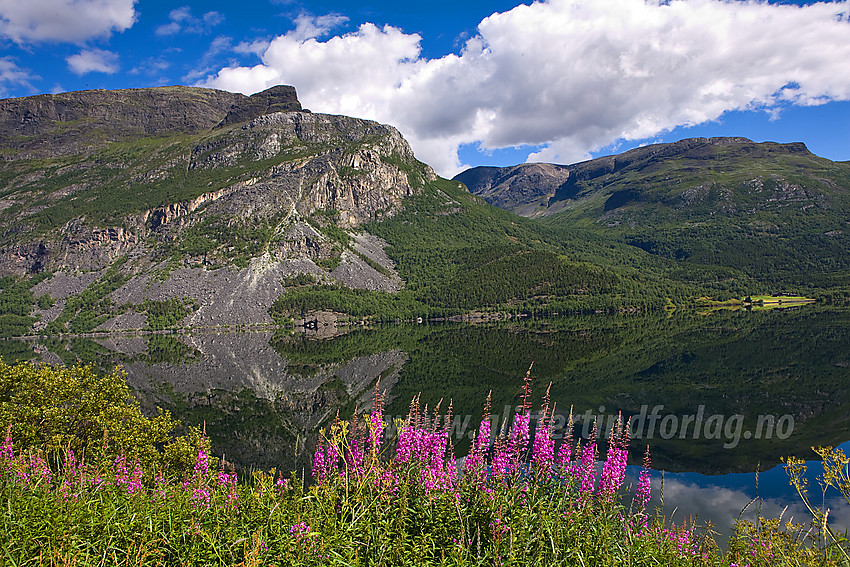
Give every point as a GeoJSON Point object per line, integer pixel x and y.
{"type": "Point", "coordinates": [263, 397]}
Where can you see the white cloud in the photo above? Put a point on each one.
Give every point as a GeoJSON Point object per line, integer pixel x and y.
{"type": "Point", "coordinates": [183, 21]}
{"type": "Point", "coordinates": [573, 75]}
{"type": "Point", "coordinates": [723, 505]}
{"type": "Point", "coordinates": [311, 27]}
{"type": "Point", "coordinates": [93, 61]}
{"type": "Point", "coordinates": [73, 21]}
{"type": "Point", "coordinates": [256, 47]}
{"type": "Point", "coordinates": [13, 76]}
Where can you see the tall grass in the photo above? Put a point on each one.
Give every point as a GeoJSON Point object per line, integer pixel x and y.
{"type": "Point", "coordinates": [373, 500]}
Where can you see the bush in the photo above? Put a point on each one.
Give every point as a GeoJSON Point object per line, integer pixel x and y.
{"type": "Point", "coordinates": [53, 409]}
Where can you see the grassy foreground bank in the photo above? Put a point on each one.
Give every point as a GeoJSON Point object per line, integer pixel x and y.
{"type": "Point", "coordinates": [86, 480]}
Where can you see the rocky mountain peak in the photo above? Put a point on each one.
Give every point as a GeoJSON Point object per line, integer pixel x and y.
{"type": "Point", "coordinates": [280, 98]}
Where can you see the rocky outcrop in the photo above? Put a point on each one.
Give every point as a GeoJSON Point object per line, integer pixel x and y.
{"type": "Point", "coordinates": [281, 98]}
{"type": "Point", "coordinates": [528, 184]}
{"type": "Point", "coordinates": [209, 195]}
{"type": "Point", "coordinates": [353, 172]}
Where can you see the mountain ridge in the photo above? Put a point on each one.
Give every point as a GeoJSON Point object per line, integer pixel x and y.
{"type": "Point", "coordinates": [259, 212]}
{"type": "Point", "coordinates": [518, 187]}
{"type": "Point", "coordinates": [220, 208]}
{"type": "Point", "coordinates": [765, 208]}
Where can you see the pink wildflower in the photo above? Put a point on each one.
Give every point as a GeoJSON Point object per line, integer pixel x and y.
{"type": "Point", "coordinates": [376, 423]}
{"type": "Point", "coordinates": [614, 469]}
{"type": "Point", "coordinates": [587, 472]}
{"type": "Point", "coordinates": [7, 455]}
{"type": "Point", "coordinates": [644, 487]}
{"type": "Point", "coordinates": [543, 450]}
{"type": "Point", "coordinates": [202, 463]}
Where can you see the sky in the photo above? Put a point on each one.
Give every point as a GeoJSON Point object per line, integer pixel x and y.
{"type": "Point", "coordinates": [470, 82]}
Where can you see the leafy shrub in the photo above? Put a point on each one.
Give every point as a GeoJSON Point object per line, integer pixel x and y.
{"type": "Point", "coordinates": [52, 409]}
{"type": "Point", "coordinates": [166, 313]}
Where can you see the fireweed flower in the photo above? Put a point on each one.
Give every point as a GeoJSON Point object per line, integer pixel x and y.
{"type": "Point", "coordinates": [130, 481]}
{"type": "Point", "coordinates": [425, 447]}
{"type": "Point", "coordinates": [353, 458]}
{"type": "Point", "coordinates": [376, 424]}
{"type": "Point", "coordinates": [565, 452]}
{"type": "Point", "coordinates": [543, 450]}
{"type": "Point", "coordinates": [320, 470]}
{"type": "Point", "coordinates": [614, 469]}
{"type": "Point", "coordinates": [518, 442]}
{"type": "Point", "coordinates": [326, 457]}
{"type": "Point", "coordinates": [202, 464]}
{"type": "Point", "coordinates": [159, 490]}
{"type": "Point", "coordinates": [644, 486]}
{"type": "Point", "coordinates": [587, 472]}
{"type": "Point", "coordinates": [7, 455]}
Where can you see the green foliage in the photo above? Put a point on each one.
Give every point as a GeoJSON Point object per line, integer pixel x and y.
{"type": "Point", "coordinates": [333, 261]}
{"type": "Point", "coordinates": [54, 409]}
{"type": "Point", "coordinates": [298, 280]}
{"type": "Point", "coordinates": [130, 176]}
{"type": "Point", "coordinates": [761, 212]}
{"type": "Point", "coordinates": [167, 313]}
{"type": "Point", "coordinates": [16, 304]}
{"type": "Point", "coordinates": [378, 516]}
{"type": "Point", "coordinates": [15, 297]}
{"type": "Point", "coordinates": [374, 265]}
{"type": "Point", "coordinates": [92, 307]}
{"type": "Point", "coordinates": [16, 351]}
{"type": "Point", "coordinates": [45, 301]}
{"type": "Point", "coordinates": [167, 349]}
{"type": "Point", "coordinates": [15, 325]}
{"type": "Point", "coordinates": [220, 241]}
{"type": "Point", "coordinates": [834, 479]}
{"type": "Point", "coordinates": [379, 306]}
{"type": "Point", "coordinates": [500, 275]}
{"type": "Point", "coordinates": [324, 222]}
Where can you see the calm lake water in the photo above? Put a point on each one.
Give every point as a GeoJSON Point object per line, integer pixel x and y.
{"type": "Point", "coordinates": [717, 397]}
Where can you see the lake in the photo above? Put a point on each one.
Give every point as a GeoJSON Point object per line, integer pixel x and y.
{"type": "Point", "coordinates": [717, 396]}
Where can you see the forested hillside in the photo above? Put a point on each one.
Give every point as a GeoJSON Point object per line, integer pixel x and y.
{"type": "Point", "coordinates": [774, 213]}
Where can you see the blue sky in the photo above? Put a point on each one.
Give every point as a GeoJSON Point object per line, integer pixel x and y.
{"type": "Point", "coordinates": [471, 83]}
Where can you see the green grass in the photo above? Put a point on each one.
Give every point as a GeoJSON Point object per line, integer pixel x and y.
{"type": "Point", "coordinates": [376, 498]}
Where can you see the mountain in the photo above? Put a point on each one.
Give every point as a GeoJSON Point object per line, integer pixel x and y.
{"type": "Point", "coordinates": [772, 212]}
{"type": "Point", "coordinates": [179, 206]}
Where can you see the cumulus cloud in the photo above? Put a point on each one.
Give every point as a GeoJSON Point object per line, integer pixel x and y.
{"type": "Point", "coordinates": [93, 61]}
{"type": "Point", "coordinates": [11, 75]}
{"type": "Point", "coordinates": [256, 47]}
{"type": "Point", "coordinates": [73, 21]}
{"type": "Point", "coordinates": [570, 75]}
{"type": "Point", "coordinates": [181, 20]}
{"type": "Point", "coordinates": [723, 505]}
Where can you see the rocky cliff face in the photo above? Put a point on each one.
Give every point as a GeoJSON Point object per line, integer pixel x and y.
{"type": "Point", "coordinates": [180, 180]}
{"type": "Point", "coordinates": [525, 186]}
